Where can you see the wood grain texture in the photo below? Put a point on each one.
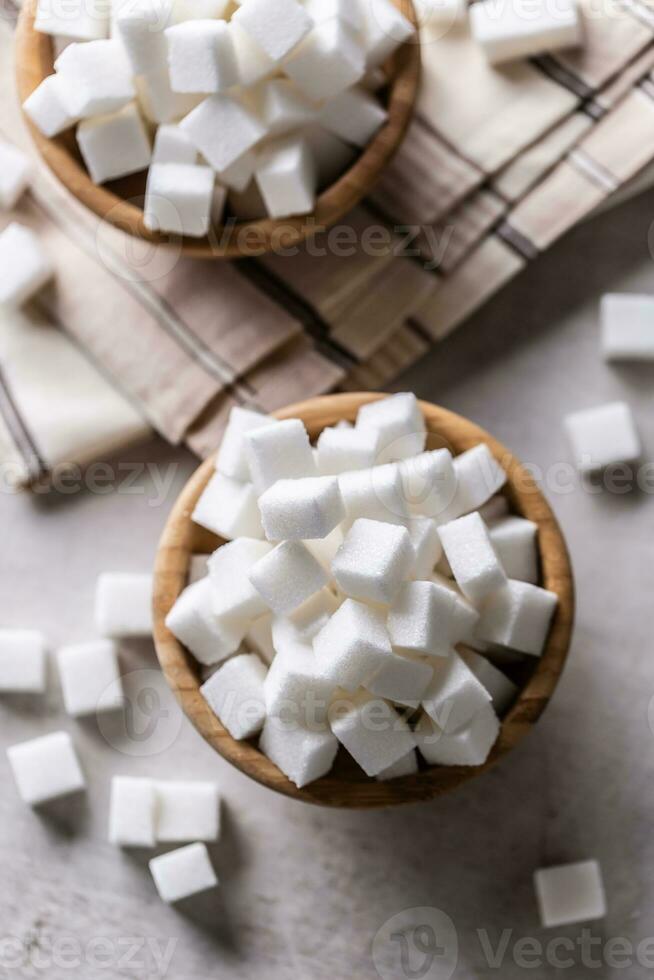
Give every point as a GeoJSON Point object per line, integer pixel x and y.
{"type": "Point", "coordinates": [346, 785]}
{"type": "Point", "coordinates": [120, 202]}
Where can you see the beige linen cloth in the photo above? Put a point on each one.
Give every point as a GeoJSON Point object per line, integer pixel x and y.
{"type": "Point", "coordinates": [496, 166]}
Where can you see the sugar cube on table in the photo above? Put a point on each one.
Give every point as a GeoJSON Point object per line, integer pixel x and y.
{"type": "Point", "coordinates": [233, 595]}
{"type": "Point", "coordinates": [280, 451]}
{"type": "Point", "coordinates": [474, 562]}
{"type": "Point", "coordinates": [192, 621]}
{"type": "Point", "coordinates": [570, 893]}
{"type": "Point", "coordinates": [253, 62]}
{"type": "Point", "coordinates": [235, 694]}
{"type": "Point", "coordinates": [602, 436]}
{"type": "Point", "coordinates": [22, 661]}
{"type": "Point", "coordinates": [114, 145]}
{"type": "Point", "coordinates": [186, 810]}
{"type": "Point", "coordinates": [373, 561]}
{"type": "Point", "coordinates": [376, 493]}
{"type": "Point", "coordinates": [132, 812]}
{"type": "Point", "coordinates": [287, 178]}
{"type": "Point", "coordinates": [427, 546]}
{"type": "Point", "coordinates": [328, 61]}
{"type": "Point", "coordinates": [296, 688]}
{"type": "Point", "coordinates": [332, 156]}
{"type": "Point", "coordinates": [429, 484]}
{"type": "Point", "coordinates": [353, 645]}
{"type": "Point", "coordinates": [229, 508]}
{"type": "Point", "coordinates": [46, 768]}
{"type": "Point", "coordinates": [123, 604]}
{"type": "Point", "coordinates": [183, 872]}
{"type": "Point", "coordinates": [420, 620]}
{"type": "Point", "coordinates": [90, 677]}
{"type": "Point", "coordinates": [385, 29]}
{"type": "Point", "coordinates": [83, 20]}
{"type": "Point", "coordinates": [231, 459]}
{"type": "Point", "coordinates": [282, 106]}
{"type": "Point", "coordinates": [501, 689]}
{"type": "Point", "coordinates": [354, 115]}
{"type": "Point", "coordinates": [454, 695]}
{"type": "Point", "coordinates": [522, 28]}
{"type": "Point", "coordinates": [26, 267]}
{"type": "Point", "coordinates": [399, 423]}
{"type": "Point", "coordinates": [277, 26]}
{"type": "Point", "coordinates": [470, 746]}
{"type": "Point", "coordinates": [287, 576]}
{"type": "Point", "coordinates": [201, 57]}
{"type": "Point", "coordinates": [303, 755]}
{"type": "Point", "coordinates": [140, 25]}
{"type": "Point", "coordinates": [310, 507]}
{"type": "Point", "coordinates": [627, 327]}
{"type": "Point", "coordinates": [478, 477]}
{"type": "Point", "coordinates": [178, 199]}
{"type": "Point", "coordinates": [374, 734]}
{"type": "Point", "coordinates": [15, 172]}
{"type": "Point", "coordinates": [96, 78]}
{"type": "Point", "coordinates": [47, 108]}
{"type": "Point", "coordinates": [402, 680]}
{"type": "Point", "coordinates": [341, 450]}
{"type": "Point", "coordinates": [406, 766]}
{"type": "Point", "coordinates": [171, 145]}
{"type": "Point", "coordinates": [222, 129]}
{"type": "Point", "coordinates": [514, 540]}
{"type": "Point", "coordinates": [518, 616]}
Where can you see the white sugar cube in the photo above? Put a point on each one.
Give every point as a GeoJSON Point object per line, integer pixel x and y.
{"type": "Point", "coordinates": [277, 26]}
{"type": "Point", "coordinates": [235, 693]}
{"type": "Point", "coordinates": [421, 619]}
{"type": "Point", "coordinates": [346, 10]}
{"type": "Point", "coordinates": [15, 171]}
{"type": "Point", "coordinates": [429, 484]}
{"type": "Point", "coordinates": [232, 458]}
{"type": "Point", "coordinates": [234, 596]}
{"type": "Point", "coordinates": [445, 13]}
{"type": "Point", "coordinates": [353, 645]}
{"type": "Point", "coordinates": [123, 604]}
{"type": "Point", "coordinates": [187, 810]}
{"type": "Point", "coordinates": [237, 177]}
{"type": "Point", "coordinates": [158, 102]}
{"type": "Point", "coordinates": [479, 476]}
{"type": "Point", "coordinates": [402, 680]}
{"type": "Point", "coordinates": [179, 198]}
{"type": "Point", "coordinates": [570, 893]}
{"type": "Point", "coordinates": [192, 621]}
{"type": "Point", "coordinates": [301, 754]}
{"type": "Point", "coordinates": [354, 115]}
{"type": "Point", "coordinates": [45, 768]}
{"type": "Point", "coordinates": [287, 576]}
{"type": "Point", "coordinates": [385, 29]}
{"type": "Point", "coordinates": [229, 508]}
{"type": "Point", "coordinates": [201, 56]}
{"type": "Point", "coordinates": [502, 690]}
{"type": "Point", "coordinates": [222, 129]}
{"type": "Point", "coordinates": [307, 508]}
{"type": "Point", "coordinates": [309, 618]}
{"type": "Point", "coordinates": [514, 540]}
{"type": "Point", "coordinates": [469, 747]}
{"type": "Point", "coordinates": [259, 638]}
{"type": "Point", "coordinates": [96, 78]}
{"type": "Point", "coordinates": [603, 436]}
{"type": "Point", "coordinates": [518, 616]}
{"type": "Point", "coordinates": [406, 766]}
{"type": "Point", "coordinates": [454, 696]}
{"type": "Point", "coordinates": [376, 494]}
{"type": "Point", "coordinates": [331, 155]}
{"type": "Point", "coordinates": [474, 562]}
{"type": "Point", "coordinates": [374, 734]}
{"type": "Point", "coordinates": [427, 546]}
{"type": "Point", "coordinates": [171, 145]}
{"type": "Point", "coordinates": [329, 60]}
{"type": "Point", "coordinates": [90, 677]}
{"type": "Point", "coordinates": [84, 20]}
{"type": "Point", "coordinates": [132, 812]}
{"type": "Point", "coordinates": [184, 872]}
{"type": "Point", "coordinates": [114, 145]}
{"type": "Point", "coordinates": [47, 107]}
{"type": "Point", "coordinates": [22, 661]}
{"type": "Point", "coordinates": [399, 423]}
{"type": "Point", "coordinates": [324, 549]}
{"type": "Point", "coordinates": [253, 62]}
{"type": "Point", "coordinates": [342, 450]}
{"type": "Point", "coordinates": [627, 327]}
{"type": "Point", "coordinates": [140, 24]}
{"type": "Point", "coordinates": [296, 689]}
{"type": "Point", "coordinates": [282, 106]}
{"type": "Point", "coordinates": [281, 451]}
{"type": "Point", "coordinates": [287, 177]}
{"type": "Point", "coordinates": [25, 266]}
{"type": "Point", "coordinates": [465, 621]}
{"type": "Point", "coordinates": [373, 561]}
{"type": "Point", "coordinates": [519, 29]}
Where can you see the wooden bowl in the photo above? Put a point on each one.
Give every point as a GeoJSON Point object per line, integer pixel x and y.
{"type": "Point", "coordinates": [119, 201]}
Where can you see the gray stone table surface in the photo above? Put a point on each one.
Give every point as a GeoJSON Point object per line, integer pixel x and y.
{"type": "Point", "coordinates": [305, 890]}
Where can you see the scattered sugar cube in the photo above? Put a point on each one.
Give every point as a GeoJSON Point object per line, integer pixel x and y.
{"type": "Point", "coordinates": [514, 540]}
{"type": "Point", "coordinates": [385, 29]}
{"type": "Point", "coordinates": [253, 62]}
{"type": "Point", "coordinates": [402, 680]}
{"type": "Point", "coordinates": [376, 494]}
{"type": "Point", "coordinates": [229, 508]}
{"type": "Point", "coordinates": [296, 689]}
{"type": "Point", "coordinates": [123, 604]}
{"type": "Point", "coordinates": [114, 145]}
{"type": "Point", "coordinates": [373, 561]}
{"type": "Point", "coordinates": [259, 638]}
{"type": "Point", "coordinates": [341, 450]}
{"type": "Point", "coordinates": [287, 178]}
{"type": "Point", "coordinates": [96, 78]}
{"type": "Point", "coordinates": [132, 812]}
{"type": "Point", "coordinates": [469, 747]}
{"type": "Point", "coordinates": [232, 458]}
{"type": "Point", "coordinates": [201, 57]}
{"type": "Point", "coordinates": [192, 621]}
{"type": "Point", "coordinates": [310, 507]}
{"type": "Point", "coordinates": [354, 115]}
{"type": "Point", "coordinates": [479, 476]}
{"type": "Point", "coordinates": [45, 768]}
{"type": "Point", "coordinates": [474, 562]}
{"type": "Point", "coordinates": [301, 754]}
{"type": "Point", "coordinates": [222, 129]}
{"type": "Point", "coordinates": [22, 661]}
{"type": "Point", "coordinates": [329, 60]}
{"type": "Point", "coordinates": [140, 24]}
{"type": "Point", "coordinates": [454, 695]}
{"type": "Point", "coordinates": [234, 596]}
{"type": "Point", "coordinates": [277, 26]}
{"type": "Point", "coordinates": [90, 677]}
{"type": "Point", "coordinates": [602, 436]}
{"type": "Point", "coordinates": [570, 893]}
{"type": "Point", "coordinates": [427, 547]}
{"type": "Point", "coordinates": [178, 199]}
{"type": "Point", "coordinates": [519, 29]}
{"type": "Point", "coordinates": [84, 20]}
{"type": "Point", "coordinates": [287, 576]}
{"type": "Point", "coordinates": [627, 325]}
{"type": "Point", "coordinates": [47, 107]}
{"type": "Point", "coordinates": [171, 145]}
{"type": "Point", "coordinates": [282, 106]}
{"type": "Point", "coordinates": [331, 155]}
{"type": "Point", "coordinates": [502, 690]}
{"type": "Point", "coordinates": [187, 810]}
{"type": "Point", "coordinates": [518, 616]}
{"type": "Point", "coordinates": [429, 484]}
{"type": "Point", "coordinates": [25, 266]}
{"type": "Point", "coordinates": [281, 451]}
{"type": "Point", "coordinates": [420, 621]}
{"type": "Point", "coordinates": [15, 172]}
{"type": "Point", "coordinates": [374, 734]}
{"type": "Point", "coordinates": [353, 645]}
{"type": "Point", "coordinates": [183, 872]}
{"type": "Point", "coordinates": [399, 423]}
{"type": "Point", "coordinates": [235, 693]}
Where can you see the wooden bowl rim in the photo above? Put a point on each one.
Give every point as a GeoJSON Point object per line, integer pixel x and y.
{"type": "Point", "coordinates": [178, 666]}
{"type": "Point", "coordinates": [34, 53]}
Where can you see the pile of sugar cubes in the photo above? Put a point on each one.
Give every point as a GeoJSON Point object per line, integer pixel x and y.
{"type": "Point", "coordinates": [262, 101]}
{"type": "Point", "coordinates": [364, 589]}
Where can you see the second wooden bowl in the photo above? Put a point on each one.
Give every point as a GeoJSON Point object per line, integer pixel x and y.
{"type": "Point", "coordinates": [346, 785]}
